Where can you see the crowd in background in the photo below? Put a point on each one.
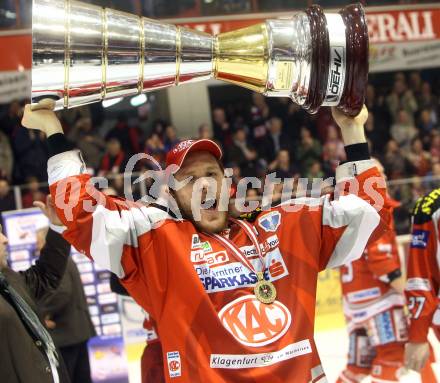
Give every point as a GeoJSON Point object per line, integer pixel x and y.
{"type": "Point", "coordinates": [264, 135]}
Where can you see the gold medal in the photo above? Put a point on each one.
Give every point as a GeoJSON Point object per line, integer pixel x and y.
{"type": "Point", "coordinates": [264, 291]}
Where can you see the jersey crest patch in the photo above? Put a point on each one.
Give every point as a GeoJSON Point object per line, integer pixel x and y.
{"type": "Point", "coordinates": [270, 221]}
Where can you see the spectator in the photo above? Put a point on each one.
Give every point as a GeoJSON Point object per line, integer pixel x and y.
{"type": "Point", "coordinates": [204, 132]}
{"type": "Point", "coordinates": [114, 160]}
{"type": "Point", "coordinates": [333, 150]}
{"type": "Point", "coordinates": [395, 163]}
{"type": "Point", "coordinates": [415, 82]}
{"type": "Point", "coordinates": [236, 173]}
{"type": "Point", "coordinates": [7, 200]}
{"type": "Point", "coordinates": [155, 148]}
{"type": "Point", "coordinates": [31, 154]}
{"type": "Point", "coordinates": [128, 136]}
{"type": "Point", "coordinates": [28, 352]}
{"type": "Point", "coordinates": [10, 123]}
{"type": "Point", "coordinates": [426, 100]}
{"type": "Point", "coordinates": [419, 158]}
{"type": "Point", "coordinates": [378, 124]}
{"type": "Point", "coordinates": [377, 107]}
{"type": "Point", "coordinates": [69, 117]}
{"type": "Point", "coordinates": [159, 127]}
{"type": "Point", "coordinates": [259, 115]}
{"type": "Point", "coordinates": [33, 193]}
{"type": "Point", "coordinates": [274, 141]}
{"type": "Point", "coordinates": [170, 138]}
{"type": "Point", "coordinates": [117, 185]}
{"type": "Point", "coordinates": [427, 122]}
{"type": "Point", "coordinates": [314, 171]}
{"type": "Point", "coordinates": [403, 130]}
{"type": "Point", "coordinates": [90, 143]}
{"type": "Point", "coordinates": [435, 146]}
{"type": "Point", "coordinates": [222, 128]}
{"type": "Point", "coordinates": [401, 98]}
{"type": "Point", "coordinates": [6, 157]}
{"type": "Point", "coordinates": [282, 166]}
{"type": "Point", "coordinates": [67, 317]}
{"type": "Point", "coordinates": [242, 154]}
{"type": "Point", "coordinates": [308, 151]}
{"type": "Point", "coordinates": [435, 174]}
{"type": "Point", "coordinates": [296, 118]}
{"type": "Point", "coordinates": [252, 195]}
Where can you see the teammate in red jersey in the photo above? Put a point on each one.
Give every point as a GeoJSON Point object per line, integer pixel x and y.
{"type": "Point", "coordinates": [234, 301]}
{"type": "Point", "coordinates": [374, 304]}
{"type": "Point", "coordinates": [372, 288]}
{"type": "Point", "coordinates": [423, 281]}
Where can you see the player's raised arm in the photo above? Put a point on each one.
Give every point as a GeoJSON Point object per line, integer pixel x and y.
{"type": "Point", "coordinates": [104, 228]}
{"type": "Point", "coordinates": [355, 214]}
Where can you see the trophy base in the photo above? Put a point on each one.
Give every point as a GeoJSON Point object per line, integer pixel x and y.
{"type": "Point", "coordinates": [356, 80]}
{"type": "Point", "coordinates": [320, 59]}
{"type": "Point", "coordinates": [339, 59]}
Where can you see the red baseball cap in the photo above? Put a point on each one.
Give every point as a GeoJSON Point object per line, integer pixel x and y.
{"type": "Point", "coordinates": [179, 152]}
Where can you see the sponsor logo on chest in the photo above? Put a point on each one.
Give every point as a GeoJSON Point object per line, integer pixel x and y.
{"type": "Point", "coordinates": [219, 272]}
{"type": "Point", "coordinates": [253, 323]}
{"type": "Point", "coordinates": [218, 277]}
{"type": "Point", "coordinates": [199, 257]}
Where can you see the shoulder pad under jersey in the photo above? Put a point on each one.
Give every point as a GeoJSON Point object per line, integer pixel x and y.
{"type": "Point", "coordinates": [426, 206]}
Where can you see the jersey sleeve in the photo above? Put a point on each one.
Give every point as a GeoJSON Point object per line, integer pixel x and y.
{"type": "Point", "coordinates": [106, 229]}
{"type": "Point", "coordinates": [354, 216]}
{"type": "Point", "coordinates": [422, 278]}
{"type": "Point", "coordinates": [382, 255]}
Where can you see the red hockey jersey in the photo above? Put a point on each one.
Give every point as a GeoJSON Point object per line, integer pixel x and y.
{"type": "Point", "coordinates": [423, 281]}
{"type": "Point", "coordinates": [211, 326]}
{"type": "Point", "coordinates": [364, 282]}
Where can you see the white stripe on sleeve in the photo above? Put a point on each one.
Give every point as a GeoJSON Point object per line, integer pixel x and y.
{"type": "Point", "coordinates": [360, 219]}
{"type": "Point", "coordinates": [112, 229]}
{"type": "Point", "coordinates": [64, 165]}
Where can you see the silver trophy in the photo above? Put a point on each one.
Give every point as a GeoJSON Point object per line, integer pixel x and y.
{"type": "Point", "coordinates": [84, 53]}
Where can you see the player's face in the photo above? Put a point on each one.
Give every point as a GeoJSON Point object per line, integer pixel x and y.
{"type": "Point", "coordinates": [204, 169]}
{"type": "Point", "coordinates": [3, 254]}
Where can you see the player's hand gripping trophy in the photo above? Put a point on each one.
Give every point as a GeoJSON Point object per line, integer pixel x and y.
{"type": "Point", "coordinates": [84, 53]}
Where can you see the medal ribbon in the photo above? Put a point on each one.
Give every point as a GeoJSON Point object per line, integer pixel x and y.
{"type": "Point", "coordinates": [237, 252]}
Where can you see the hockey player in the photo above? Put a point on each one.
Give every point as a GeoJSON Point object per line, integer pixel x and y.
{"type": "Point", "coordinates": [374, 307]}
{"type": "Point", "coordinates": [372, 287]}
{"type": "Point", "coordinates": [423, 282]}
{"type": "Point", "coordinates": [234, 301]}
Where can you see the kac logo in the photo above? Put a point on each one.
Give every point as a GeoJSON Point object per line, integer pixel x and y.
{"type": "Point", "coordinates": [270, 222]}
{"type": "Point", "coordinates": [419, 239]}
{"type": "Point", "coordinates": [253, 323]}
{"type": "Point", "coordinates": [174, 364]}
